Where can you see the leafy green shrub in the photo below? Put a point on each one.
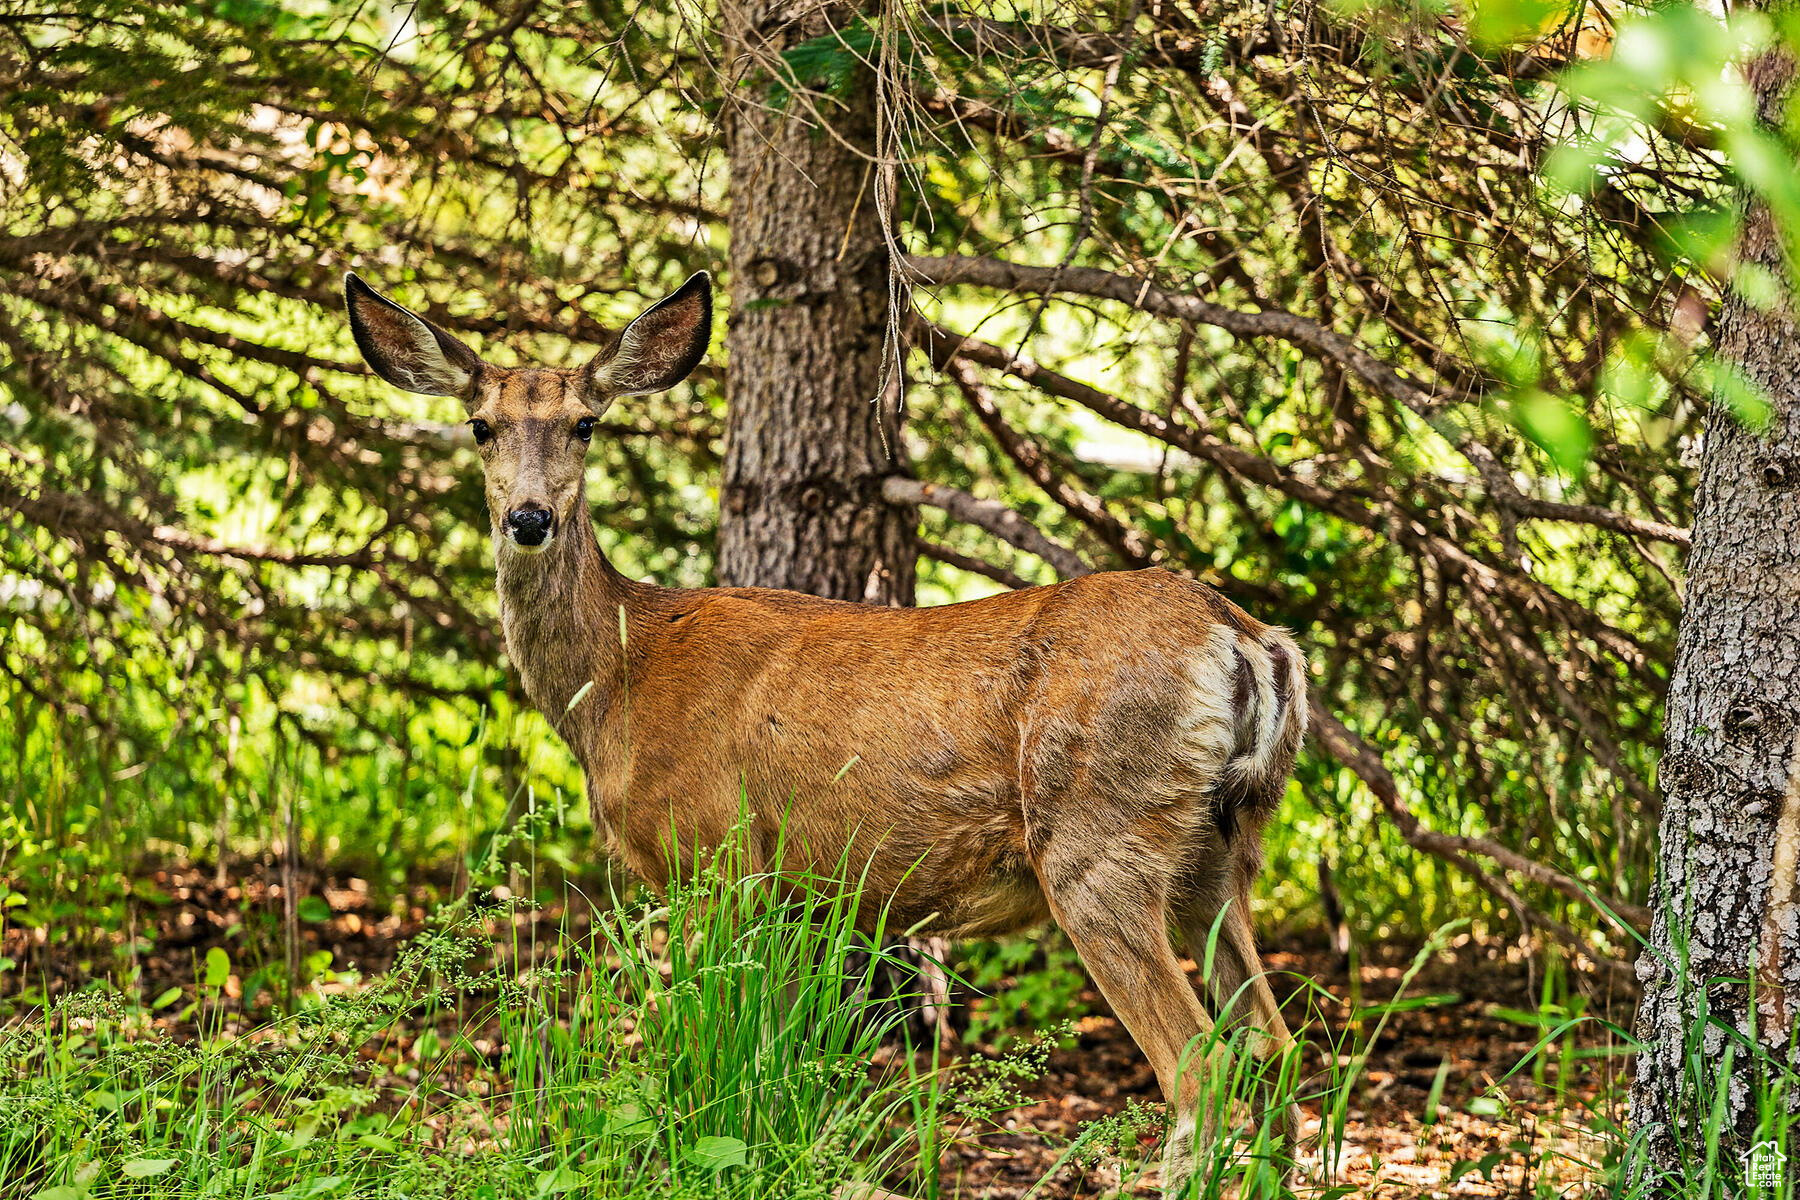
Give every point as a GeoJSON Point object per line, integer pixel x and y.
{"type": "Point", "coordinates": [1022, 986]}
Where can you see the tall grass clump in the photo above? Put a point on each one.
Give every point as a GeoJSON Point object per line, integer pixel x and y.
{"type": "Point", "coordinates": [1251, 1089]}
{"type": "Point", "coordinates": [1245, 1149]}
{"type": "Point", "coordinates": [713, 1042]}
{"type": "Point", "coordinates": [743, 1056]}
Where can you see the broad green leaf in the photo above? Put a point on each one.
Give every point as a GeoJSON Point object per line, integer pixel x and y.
{"type": "Point", "coordinates": [562, 1179]}
{"type": "Point", "coordinates": [629, 1120]}
{"type": "Point", "coordinates": [144, 1168]}
{"type": "Point", "coordinates": [1574, 165]}
{"type": "Point", "coordinates": [1556, 427]}
{"type": "Point", "coordinates": [313, 909]}
{"type": "Point", "coordinates": [1502, 23]}
{"type": "Point", "coordinates": [218, 968]}
{"type": "Point", "coordinates": [717, 1153]}
{"type": "Point", "coordinates": [1738, 394]}
{"type": "Point", "coordinates": [1704, 235]}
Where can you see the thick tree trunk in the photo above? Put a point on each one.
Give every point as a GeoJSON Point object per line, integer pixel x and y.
{"type": "Point", "coordinates": [1728, 901]}
{"type": "Point", "coordinates": [812, 428]}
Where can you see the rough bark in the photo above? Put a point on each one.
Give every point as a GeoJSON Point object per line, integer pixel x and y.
{"type": "Point", "coordinates": [812, 428]}
{"type": "Point", "coordinates": [1728, 903]}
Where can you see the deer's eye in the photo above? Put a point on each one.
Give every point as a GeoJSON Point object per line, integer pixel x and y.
{"type": "Point", "coordinates": [482, 430]}
{"type": "Point", "coordinates": [584, 428]}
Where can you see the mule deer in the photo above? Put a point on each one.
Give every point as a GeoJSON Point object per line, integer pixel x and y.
{"type": "Point", "coordinates": [1102, 751]}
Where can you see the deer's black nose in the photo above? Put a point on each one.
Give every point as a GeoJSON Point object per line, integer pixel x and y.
{"type": "Point", "coordinates": [529, 524]}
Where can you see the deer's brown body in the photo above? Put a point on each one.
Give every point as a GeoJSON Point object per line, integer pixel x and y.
{"type": "Point", "coordinates": [957, 751]}
{"type": "Point", "coordinates": [1103, 751]}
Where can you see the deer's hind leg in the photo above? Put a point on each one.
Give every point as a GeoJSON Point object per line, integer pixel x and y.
{"type": "Point", "coordinates": [1114, 906]}
{"type": "Point", "coordinates": [1236, 982]}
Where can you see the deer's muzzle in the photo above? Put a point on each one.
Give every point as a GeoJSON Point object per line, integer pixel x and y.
{"type": "Point", "coordinates": [530, 526]}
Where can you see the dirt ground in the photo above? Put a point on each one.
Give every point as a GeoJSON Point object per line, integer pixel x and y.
{"type": "Point", "coordinates": [1496, 1132]}
{"type": "Point", "coordinates": [1508, 1134]}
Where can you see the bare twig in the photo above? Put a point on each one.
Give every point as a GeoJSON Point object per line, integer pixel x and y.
{"type": "Point", "coordinates": [991, 515]}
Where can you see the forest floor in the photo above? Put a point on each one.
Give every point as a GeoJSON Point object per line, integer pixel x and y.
{"type": "Point", "coordinates": [1494, 1131]}
{"type": "Point", "coordinates": [1442, 1107]}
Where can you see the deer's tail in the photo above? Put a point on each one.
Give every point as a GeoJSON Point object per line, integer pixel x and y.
{"type": "Point", "coordinates": [1269, 706]}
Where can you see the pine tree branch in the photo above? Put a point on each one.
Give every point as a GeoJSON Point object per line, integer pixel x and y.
{"type": "Point", "coordinates": [1426, 401]}
{"type": "Point", "coordinates": [1365, 762]}
{"type": "Point", "coordinates": [996, 518]}
{"type": "Point", "coordinates": [975, 566]}
{"type": "Point", "coordinates": [1128, 543]}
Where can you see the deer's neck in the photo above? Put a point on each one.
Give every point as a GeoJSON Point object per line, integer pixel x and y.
{"type": "Point", "coordinates": [560, 611]}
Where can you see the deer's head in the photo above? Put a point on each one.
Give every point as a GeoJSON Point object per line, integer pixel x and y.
{"type": "Point", "coordinates": [533, 424]}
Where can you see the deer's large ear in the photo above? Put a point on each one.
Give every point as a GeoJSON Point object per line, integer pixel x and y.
{"type": "Point", "coordinates": [404, 348]}
{"type": "Point", "coordinates": [660, 348]}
